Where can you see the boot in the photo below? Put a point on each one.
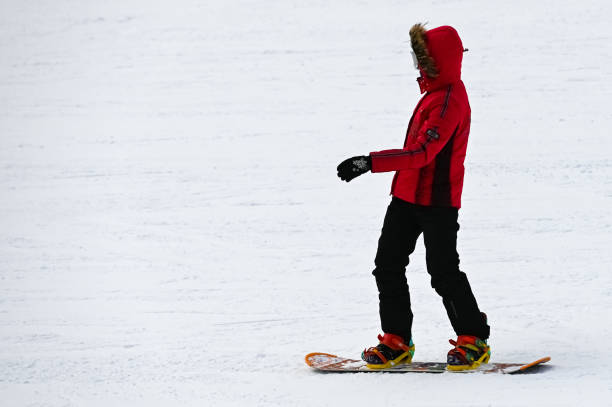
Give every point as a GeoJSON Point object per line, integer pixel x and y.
{"type": "Point", "coordinates": [468, 353]}
{"type": "Point", "coordinates": [391, 350]}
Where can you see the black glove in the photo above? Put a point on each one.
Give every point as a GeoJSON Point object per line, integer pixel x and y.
{"type": "Point", "coordinates": [354, 167]}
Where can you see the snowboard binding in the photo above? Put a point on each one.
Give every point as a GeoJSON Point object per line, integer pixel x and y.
{"type": "Point", "coordinates": [469, 353]}
{"type": "Point", "coordinates": [391, 351]}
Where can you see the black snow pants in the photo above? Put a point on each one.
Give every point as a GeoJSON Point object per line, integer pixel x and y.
{"type": "Point", "coordinates": [404, 223]}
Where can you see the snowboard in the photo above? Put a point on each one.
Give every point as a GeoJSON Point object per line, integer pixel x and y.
{"type": "Point", "coordinates": [324, 362]}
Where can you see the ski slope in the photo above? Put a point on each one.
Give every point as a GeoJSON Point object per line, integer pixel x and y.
{"type": "Point", "coordinates": [172, 231]}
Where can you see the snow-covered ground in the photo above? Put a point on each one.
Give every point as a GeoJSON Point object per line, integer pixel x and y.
{"type": "Point", "coordinates": [172, 231]}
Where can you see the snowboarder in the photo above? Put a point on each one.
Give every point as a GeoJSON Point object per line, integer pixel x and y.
{"type": "Point", "coordinates": [426, 197]}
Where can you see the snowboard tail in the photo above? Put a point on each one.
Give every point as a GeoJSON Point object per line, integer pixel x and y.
{"type": "Point", "coordinates": [325, 362]}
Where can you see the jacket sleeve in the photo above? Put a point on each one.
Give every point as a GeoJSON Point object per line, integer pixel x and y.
{"type": "Point", "coordinates": [432, 136]}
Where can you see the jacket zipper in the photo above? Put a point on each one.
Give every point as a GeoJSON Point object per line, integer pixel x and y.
{"type": "Point", "coordinates": [416, 109]}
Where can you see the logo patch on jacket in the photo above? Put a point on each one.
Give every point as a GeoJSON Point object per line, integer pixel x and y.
{"type": "Point", "coordinates": [432, 133]}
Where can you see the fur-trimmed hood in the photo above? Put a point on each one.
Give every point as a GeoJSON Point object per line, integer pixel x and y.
{"type": "Point", "coordinates": [439, 52]}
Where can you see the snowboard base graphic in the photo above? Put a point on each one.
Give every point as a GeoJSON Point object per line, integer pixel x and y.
{"type": "Point", "coordinates": [325, 362]}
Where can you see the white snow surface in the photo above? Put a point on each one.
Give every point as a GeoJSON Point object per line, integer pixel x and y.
{"type": "Point", "coordinates": [172, 231]}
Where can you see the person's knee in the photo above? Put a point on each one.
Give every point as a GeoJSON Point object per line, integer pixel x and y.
{"type": "Point", "coordinates": [446, 284]}
{"type": "Point", "coordinates": [441, 264]}
{"type": "Point", "coordinates": [391, 261]}
{"type": "Point", "coordinates": [390, 280]}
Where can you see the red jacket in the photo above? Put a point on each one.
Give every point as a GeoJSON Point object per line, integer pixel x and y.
{"type": "Point", "coordinates": [430, 166]}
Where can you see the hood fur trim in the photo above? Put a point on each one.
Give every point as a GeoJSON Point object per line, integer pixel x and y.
{"type": "Point", "coordinates": [419, 46]}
